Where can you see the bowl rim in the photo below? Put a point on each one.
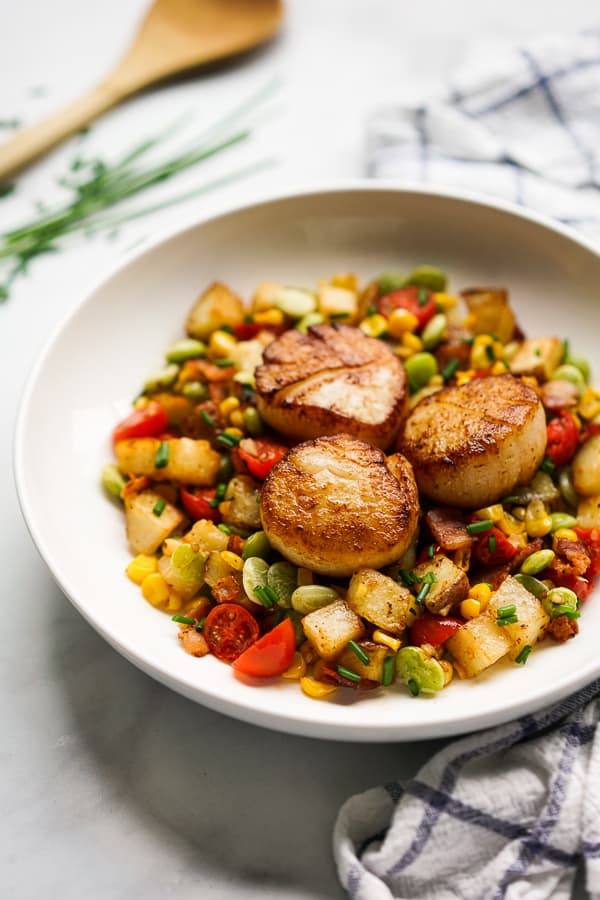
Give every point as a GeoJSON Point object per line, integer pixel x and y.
{"type": "Point", "coordinates": [294, 724]}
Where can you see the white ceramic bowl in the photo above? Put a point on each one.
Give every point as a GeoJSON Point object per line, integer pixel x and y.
{"type": "Point", "coordinates": [97, 361]}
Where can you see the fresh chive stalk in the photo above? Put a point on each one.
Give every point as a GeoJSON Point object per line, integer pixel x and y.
{"type": "Point", "coordinates": [161, 458]}
{"type": "Point", "coordinates": [183, 620]}
{"type": "Point", "coordinates": [480, 527]}
{"type": "Point", "coordinates": [159, 506]}
{"type": "Point", "coordinates": [358, 650]}
{"type": "Point", "coordinates": [348, 673]}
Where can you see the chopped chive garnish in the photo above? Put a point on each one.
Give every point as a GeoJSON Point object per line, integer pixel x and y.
{"type": "Point", "coordinates": [263, 596]}
{"type": "Point", "coordinates": [371, 309]}
{"type": "Point", "coordinates": [183, 620]}
{"type": "Point", "coordinates": [468, 340]}
{"type": "Point", "coordinates": [507, 620]}
{"type": "Point", "coordinates": [425, 588]}
{"type": "Point", "coordinates": [431, 551]}
{"type": "Point", "coordinates": [220, 492]}
{"type": "Point", "coordinates": [339, 315]}
{"type": "Point", "coordinates": [547, 465]}
{"type": "Point", "coordinates": [224, 363]}
{"type": "Point", "coordinates": [521, 659]}
{"type": "Point", "coordinates": [422, 296]}
{"type": "Point", "coordinates": [204, 414]}
{"type": "Point", "coordinates": [248, 319]}
{"type": "Point", "coordinates": [226, 328]}
{"type": "Point", "coordinates": [508, 610]}
{"type": "Point", "coordinates": [492, 543]}
{"type": "Point", "coordinates": [224, 528]}
{"type": "Point", "coordinates": [407, 577]}
{"type": "Point", "coordinates": [159, 506]}
{"type": "Point", "coordinates": [450, 368]}
{"type": "Point", "coordinates": [271, 593]}
{"type": "Point", "coordinates": [564, 610]}
{"type": "Point", "coordinates": [489, 352]}
{"type": "Point", "coordinates": [228, 440]}
{"type": "Point", "coordinates": [200, 624]}
{"type": "Point", "coordinates": [359, 652]}
{"type": "Point", "coordinates": [479, 527]}
{"type": "Point", "coordinates": [413, 687]}
{"type": "Point", "coordinates": [387, 672]}
{"type": "Point", "coordinates": [538, 351]}
{"type": "Point", "coordinates": [428, 578]}
{"type": "Point", "coordinates": [566, 350]}
{"type": "Point", "coordinates": [162, 455]}
{"type": "Point", "coordinates": [348, 673]}
{"type": "Point", "coordinates": [510, 501]}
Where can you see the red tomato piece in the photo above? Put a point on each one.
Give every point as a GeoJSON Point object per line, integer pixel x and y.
{"type": "Point", "coordinates": [417, 300]}
{"type": "Point", "coordinates": [580, 586]}
{"type": "Point", "coordinates": [434, 630]}
{"type": "Point", "coordinates": [197, 502]}
{"type": "Point", "coordinates": [260, 455]}
{"type": "Point", "coordinates": [271, 655]}
{"type": "Point", "coordinates": [150, 421]}
{"type": "Point", "coordinates": [245, 331]}
{"type": "Point", "coordinates": [492, 548]}
{"type": "Point", "coordinates": [230, 629]}
{"type": "Point", "coordinates": [563, 438]}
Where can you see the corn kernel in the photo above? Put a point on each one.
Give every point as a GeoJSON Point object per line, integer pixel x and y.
{"type": "Point", "coordinates": [402, 352]}
{"type": "Point", "coordinates": [225, 507]}
{"type": "Point", "coordinates": [174, 602]}
{"type": "Point", "coordinates": [381, 637]}
{"type": "Point", "coordinates": [227, 405]}
{"type": "Point", "coordinates": [464, 376]}
{"type": "Point", "coordinates": [499, 368]}
{"type": "Point", "coordinates": [566, 533]}
{"type": "Point", "coordinates": [401, 321]}
{"type": "Point", "coordinates": [412, 341]}
{"type": "Point", "coordinates": [469, 322]}
{"type": "Point", "coordinates": [589, 405]}
{"type": "Point", "coordinates": [297, 668]}
{"type": "Point", "coordinates": [470, 608]}
{"type": "Point", "coordinates": [316, 689]}
{"type": "Point", "coordinates": [232, 559]}
{"type": "Point", "coordinates": [538, 527]}
{"type": "Point", "coordinates": [485, 351]}
{"type": "Point", "coordinates": [221, 343]}
{"type": "Point", "coordinates": [140, 567]}
{"type": "Point", "coordinates": [141, 402]}
{"type": "Point", "coordinates": [445, 301]}
{"type": "Point", "coordinates": [237, 418]}
{"type": "Point", "coordinates": [235, 432]}
{"type": "Point", "coordinates": [510, 524]}
{"type": "Point", "coordinates": [271, 316]}
{"type": "Point", "coordinates": [482, 593]}
{"type": "Point", "coordinates": [155, 589]}
{"type": "Point", "coordinates": [374, 326]}
{"type": "Point", "coordinates": [493, 512]}
{"type": "Point", "coordinates": [436, 381]}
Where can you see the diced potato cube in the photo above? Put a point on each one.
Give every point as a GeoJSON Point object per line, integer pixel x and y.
{"type": "Point", "coordinates": [241, 507]}
{"type": "Point", "coordinates": [204, 535]}
{"type": "Point", "coordinates": [492, 312]}
{"type": "Point", "coordinates": [217, 568]}
{"type": "Point", "coordinates": [588, 512]}
{"type": "Point", "coordinates": [380, 600]}
{"type": "Point", "coordinates": [217, 306]}
{"type": "Point", "coordinates": [188, 461]}
{"type": "Point", "coordinates": [374, 668]}
{"type": "Point", "coordinates": [330, 628]}
{"type": "Point", "coordinates": [478, 644]}
{"type": "Point", "coordinates": [247, 355]}
{"type": "Point", "coordinates": [338, 302]}
{"type": "Point", "coordinates": [450, 587]}
{"type": "Point", "coordinates": [145, 530]}
{"type": "Point", "coordinates": [265, 294]}
{"type": "Point", "coordinates": [533, 618]}
{"type": "Point", "coordinates": [538, 357]}
{"type": "Point", "coordinates": [586, 467]}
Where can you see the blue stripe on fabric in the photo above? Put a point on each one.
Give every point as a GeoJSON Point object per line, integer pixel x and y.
{"type": "Point", "coordinates": [544, 84]}
{"type": "Point", "coordinates": [474, 816]}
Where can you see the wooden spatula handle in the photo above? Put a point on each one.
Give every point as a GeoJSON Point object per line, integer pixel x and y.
{"type": "Point", "coordinates": [33, 141]}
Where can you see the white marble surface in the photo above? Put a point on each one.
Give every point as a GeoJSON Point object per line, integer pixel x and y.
{"type": "Point", "coordinates": [112, 786]}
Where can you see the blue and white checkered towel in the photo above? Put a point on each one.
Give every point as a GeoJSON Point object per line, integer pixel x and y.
{"type": "Point", "coordinates": [507, 814]}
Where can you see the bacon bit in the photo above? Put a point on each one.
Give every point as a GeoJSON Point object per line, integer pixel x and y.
{"type": "Point", "coordinates": [448, 529]}
{"type": "Point", "coordinates": [562, 628]}
{"type": "Point", "coordinates": [494, 576]}
{"type": "Point", "coordinates": [192, 641]}
{"type": "Point", "coordinates": [228, 590]}
{"type": "Point", "coordinates": [457, 346]}
{"type": "Point", "coordinates": [532, 547]}
{"type": "Point", "coordinates": [135, 485]}
{"type": "Point", "coordinates": [557, 395]}
{"type": "Point", "coordinates": [572, 558]}
{"type": "Point", "coordinates": [217, 391]}
{"type": "Point", "coordinates": [235, 544]}
{"type": "Point", "coordinates": [328, 675]}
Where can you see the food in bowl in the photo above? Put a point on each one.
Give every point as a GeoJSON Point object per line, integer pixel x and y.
{"type": "Point", "coordinates": [362, 486]}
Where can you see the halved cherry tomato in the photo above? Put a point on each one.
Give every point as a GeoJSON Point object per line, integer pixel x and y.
{"type": "Point", "coordinates": [434, 630]}
{"type": "Point", "coordinates": [591, 538]}
{"type": "Point", "coordinates": [492, 548]}
{"type": "Point", "coordinates": [271, 655]}
{"type": "Point", "coordinates": [230, 629]}
{"type": "Point", "coordinates": [147, 422]}
{"type": "Point", "coordinates": [260, 455]}
{"type": "Point", "coordinates": [417, 300]}
{"type": "Point", "coordinates": [563, 437]}
{"type": "Point", "coordinates": [197, 502]}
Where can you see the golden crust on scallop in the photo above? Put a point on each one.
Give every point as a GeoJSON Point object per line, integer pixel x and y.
{"type": "Point", "coordinates": [333, 379]}
{"type": "Point", "coordinates": [335, 504]}
{"type": "Point", "coordinates": [471, 445]}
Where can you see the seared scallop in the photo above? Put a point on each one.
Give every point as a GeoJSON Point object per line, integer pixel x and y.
{"type": "Point", "coordinates": [472, 445]}
{"type": "Point", "coordinates": [333, 379]}
{"type": "Point", "coordinates": [336, 503]}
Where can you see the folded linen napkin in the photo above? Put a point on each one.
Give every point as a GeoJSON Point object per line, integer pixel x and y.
{"type": "Point", "coordinates": [512, 811]}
